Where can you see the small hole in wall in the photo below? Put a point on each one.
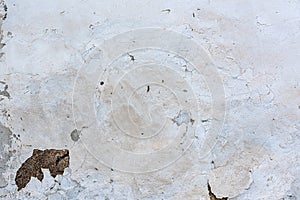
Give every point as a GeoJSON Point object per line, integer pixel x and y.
{"type": "Point", "coordinates": [101, 83]}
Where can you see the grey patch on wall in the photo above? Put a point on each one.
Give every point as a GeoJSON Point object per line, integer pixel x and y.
{"type": "Point", "coordinates": [5, 133]}
{"type": "Point", "coordinates": [3, 15]}
{"type": "Point", "coordinates": [5, 141]}
{"type": "Point", "coordinates": [75, 135]}
{"type": "Point", "coordinates": [3, 12]}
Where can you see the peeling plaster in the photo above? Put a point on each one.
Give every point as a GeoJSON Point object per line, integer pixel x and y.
{"type": "Point", "coordinates": [254, 46]}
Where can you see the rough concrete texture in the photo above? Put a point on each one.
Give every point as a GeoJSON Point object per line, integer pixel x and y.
{"type": "Point", "coordinates": [153, 99]}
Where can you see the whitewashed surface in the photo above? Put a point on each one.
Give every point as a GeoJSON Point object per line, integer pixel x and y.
{"type": "Point", "coordinates": [253, 45]}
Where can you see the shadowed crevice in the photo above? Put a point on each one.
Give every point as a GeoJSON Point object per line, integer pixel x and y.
{"type": "Point", "coordinates": [212, 196]}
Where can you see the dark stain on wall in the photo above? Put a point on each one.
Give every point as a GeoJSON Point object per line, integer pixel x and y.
{"type": "Point", "coordinates": [54, 160]}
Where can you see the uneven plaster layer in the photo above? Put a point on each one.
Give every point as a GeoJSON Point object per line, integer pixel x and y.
{"type": "Point", "coordinates": [255, 46]}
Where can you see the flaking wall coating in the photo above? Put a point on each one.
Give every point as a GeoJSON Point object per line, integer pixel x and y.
{"type": "Point", "coordinates": [255, 45]}
{"type": "Point", "coordinates": [54, 160]}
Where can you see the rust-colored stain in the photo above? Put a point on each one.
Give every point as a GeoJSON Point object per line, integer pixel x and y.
{"type": "Point", "coordinates": [54, 160]}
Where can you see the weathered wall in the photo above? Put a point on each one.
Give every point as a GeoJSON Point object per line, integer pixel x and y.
{"type": "Point", "coordinates": [50, 100]}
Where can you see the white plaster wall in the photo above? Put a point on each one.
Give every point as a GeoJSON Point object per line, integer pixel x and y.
{"type": "Point", "coordinates": [255, 46]}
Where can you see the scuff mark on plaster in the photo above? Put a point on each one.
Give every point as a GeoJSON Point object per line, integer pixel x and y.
{"type": "Point", "coordinates": [132, 58]}
{"type": "Point", "coordinates": [54, 160]}
{"type": "Point", "coordinates": [4, 93]}
{"type": "Point", "coordinates": [168, 10]}
{"type": "Point", "coordinates": [182, 117]}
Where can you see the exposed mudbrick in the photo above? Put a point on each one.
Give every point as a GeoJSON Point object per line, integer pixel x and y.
{"type": "Point", "coordinates": [54, 160]}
